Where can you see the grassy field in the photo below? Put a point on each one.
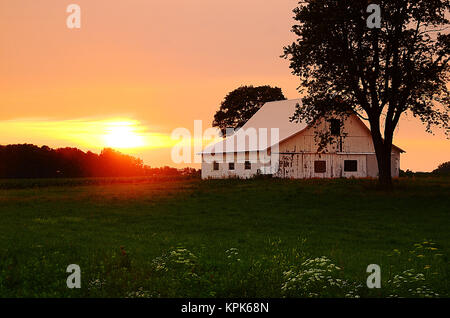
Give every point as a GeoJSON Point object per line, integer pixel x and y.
{"type": "Point", "coordinates": [224, 238]}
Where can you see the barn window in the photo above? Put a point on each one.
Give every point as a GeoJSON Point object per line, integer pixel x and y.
{"type": "Point", "coordinates": [215, 165]}
{"type": "Point", "coordinates": [351, 165]}
{"type": "Point", "coordinates": [335, 127]}
{"type": "Point", "coordinates": [231, 166]}
{"type": "Point", "coordinates": [248, 165]}
{"type": "Point", "coordinates": [320, 166]}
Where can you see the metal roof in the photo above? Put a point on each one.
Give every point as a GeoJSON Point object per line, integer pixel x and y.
{"type": "Point", "coordinates": [271, 115]}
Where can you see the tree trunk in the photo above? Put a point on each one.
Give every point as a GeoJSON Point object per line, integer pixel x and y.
{"type": "Point", "coordinates": [383, 151]}
{"type": "Point", "coordinates": [384, 169]}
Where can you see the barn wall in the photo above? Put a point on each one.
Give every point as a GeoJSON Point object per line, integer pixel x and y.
{"type": "Point", "coordinates": [302, 166]}
{"type": "Point", "coordinates": [357, 145]}
{"type": "Point", "coordinates": [258, 163]}
{"type": "Point", "coordinates": [395, 164]}
{"type": "Point", "coordinates": [298, 153]}
{"type": "Point", "coordinates": [372, 166]}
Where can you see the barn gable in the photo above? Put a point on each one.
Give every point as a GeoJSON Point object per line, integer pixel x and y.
{"type": "Point", "coordinates": [357, 138]}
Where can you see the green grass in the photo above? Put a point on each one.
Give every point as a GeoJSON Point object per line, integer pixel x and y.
{"type": "Point", "coordinates": [172, 238]}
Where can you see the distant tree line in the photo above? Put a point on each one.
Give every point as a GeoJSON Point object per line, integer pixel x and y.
{"type": "Point", "coordinates": [442, 170]}
{"type": "Point", "coordinates": [30, 161]}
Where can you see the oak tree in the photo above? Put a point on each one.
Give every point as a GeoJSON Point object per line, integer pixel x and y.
{"type": "Point", "coordinates": [348, 66]}
{"type": "Point", "coordinates": [242, 103]}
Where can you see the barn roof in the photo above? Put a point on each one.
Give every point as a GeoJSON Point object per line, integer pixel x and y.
{"type": "Point", "coordinates": [271, 115]}
{"type": "Point", "coordinates": [275, 114]}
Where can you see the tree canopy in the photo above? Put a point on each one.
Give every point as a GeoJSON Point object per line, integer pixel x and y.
{"type": "Point", "coordinates": [242, 103]}
{"type": "Point", "coordinates": [443, 169]}
{"type": "Point", "coordinates": [379, 73]}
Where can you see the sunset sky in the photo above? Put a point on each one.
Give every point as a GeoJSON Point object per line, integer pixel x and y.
{"type": "Point", "coordinates": [138, 69]}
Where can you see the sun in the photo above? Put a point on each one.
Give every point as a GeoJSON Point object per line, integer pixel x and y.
{"type": "Point", "coordinates": [123, 135]}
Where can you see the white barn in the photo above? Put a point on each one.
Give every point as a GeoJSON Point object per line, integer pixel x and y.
{"type": "Point", "coordinates": [269, 143]}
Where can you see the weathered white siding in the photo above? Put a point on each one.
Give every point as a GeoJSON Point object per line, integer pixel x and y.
{"type": "Point", "coordinates": [302, 166]}
{"type": "Point", "coordinates": [257, 163]}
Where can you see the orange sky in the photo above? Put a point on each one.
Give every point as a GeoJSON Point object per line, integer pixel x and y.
{"type": "Point", "coordinates": [157, 64]}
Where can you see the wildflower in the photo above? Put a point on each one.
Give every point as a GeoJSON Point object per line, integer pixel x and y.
{"type": "Point", "coordinates": [316, 273]}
